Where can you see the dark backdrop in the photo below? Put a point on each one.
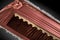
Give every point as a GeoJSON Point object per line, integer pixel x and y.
{"type": "Point", "coordinates": [3, 3]}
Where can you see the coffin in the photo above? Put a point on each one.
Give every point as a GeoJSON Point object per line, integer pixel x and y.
{"type": "Point", "coordinates": [29, 23]}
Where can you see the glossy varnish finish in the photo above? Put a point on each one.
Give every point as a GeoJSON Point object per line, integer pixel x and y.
{"type": "Point", "coordinates": [20, 28]}
{"type": "Point", "coordinates": [39, 18]}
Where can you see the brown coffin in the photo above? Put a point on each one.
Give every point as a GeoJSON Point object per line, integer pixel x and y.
{"type": "Point", "coordinates": [33, 15]}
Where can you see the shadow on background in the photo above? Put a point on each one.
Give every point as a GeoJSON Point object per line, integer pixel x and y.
{"type": "Point", "coordinates": [6, 36]}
